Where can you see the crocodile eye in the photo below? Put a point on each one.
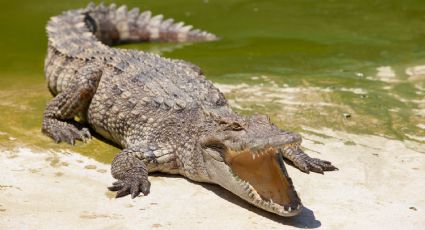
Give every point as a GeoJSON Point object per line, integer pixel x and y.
{"type": "Point", "coordinates": [230, 125]}
{"type": "Point", "coordinates": [235, 126]}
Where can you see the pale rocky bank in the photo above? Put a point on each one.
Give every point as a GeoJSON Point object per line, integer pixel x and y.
{"type": "Point", "coordinates": [380, 185]}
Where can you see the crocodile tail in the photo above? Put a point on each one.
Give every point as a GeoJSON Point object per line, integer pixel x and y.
{"type": "Point", "coordinates": [113, 25]}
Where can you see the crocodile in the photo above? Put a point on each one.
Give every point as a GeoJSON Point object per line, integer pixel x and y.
{"type": "Point", "coordinates": [164, 114]}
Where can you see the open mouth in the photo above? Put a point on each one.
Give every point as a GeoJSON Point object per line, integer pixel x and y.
{"type": "Point", "coordinates": [266, 178]}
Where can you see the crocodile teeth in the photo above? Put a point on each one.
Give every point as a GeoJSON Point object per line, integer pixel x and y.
{"type": "Point", "coordinates": [246, 187]}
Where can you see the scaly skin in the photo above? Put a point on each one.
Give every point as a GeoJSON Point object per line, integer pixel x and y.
{"type": "Point", "coordinates": [164, 113]}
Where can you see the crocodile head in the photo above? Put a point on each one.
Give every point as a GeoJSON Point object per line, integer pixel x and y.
{"type": "Point", "coordinates": [245, 157]}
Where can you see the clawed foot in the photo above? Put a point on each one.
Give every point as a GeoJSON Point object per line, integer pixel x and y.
{"type": "Point", "coordinates": [305, 163]}
{"type": "Point", "coordinates": [314, 165]}
{"type": "Point", "coordinates": [64, 132]}
{"type": "Point", "coordinates": [133, 185]}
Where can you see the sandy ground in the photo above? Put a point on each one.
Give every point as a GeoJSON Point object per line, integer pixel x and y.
{"type": "Point", "coordinates": [380, 185]}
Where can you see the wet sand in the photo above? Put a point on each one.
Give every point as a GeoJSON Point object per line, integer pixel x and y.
{"type": "Point", "coordinates": [380, 185]}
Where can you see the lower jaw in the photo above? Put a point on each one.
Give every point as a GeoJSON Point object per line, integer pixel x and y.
{"type": "Point", "coordinates": [246, 192]}
{"type": "Point", "coordinates": [266, 182]}
{"type": "Point", "coordinates": [281, 210]}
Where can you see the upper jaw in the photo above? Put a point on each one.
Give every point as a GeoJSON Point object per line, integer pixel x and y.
{"type": "Point", "coordinates": [257, 145]}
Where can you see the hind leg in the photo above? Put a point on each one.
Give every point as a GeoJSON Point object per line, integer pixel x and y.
{"type": "Point", "coordinates": [58, 118]}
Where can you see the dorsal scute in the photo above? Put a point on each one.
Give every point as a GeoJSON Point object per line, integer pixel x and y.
{"type": "Point", "coordinates": [75, 31]}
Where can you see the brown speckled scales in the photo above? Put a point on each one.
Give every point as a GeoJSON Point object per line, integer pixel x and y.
{"type": "Point", "coordinates": [138, 100]}
{"type": "Point", "coordinates": [163, 112]}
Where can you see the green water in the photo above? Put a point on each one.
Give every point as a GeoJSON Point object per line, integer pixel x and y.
{"type": "Point", "coordinates": [279, 45]}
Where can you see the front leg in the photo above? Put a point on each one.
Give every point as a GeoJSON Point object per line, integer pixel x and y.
{"type": "Point", "coordinates": [305, 163]}
{"type": "Point", "coordinates": [131, 173]}
{"type": "Point", "coordinates": [58, 118]}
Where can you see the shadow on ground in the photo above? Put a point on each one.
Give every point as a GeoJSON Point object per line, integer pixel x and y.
{"type": "Point", "coordinates": [305, 219]}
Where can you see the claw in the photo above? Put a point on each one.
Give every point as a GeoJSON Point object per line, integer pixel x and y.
{"type": "Point", "coordinates": [134, 191]}
{"type": "Point", "coordinates": [305, 163]}
{"type": "Point", "coordinates": [85, 133]}
{"type": "Point", "coordinates": [316, 168]}
{"type": "Point", "coordinates": [123, 192]}
{"type": "Point", "coordinates": [65, 132]}
{"type": "Point", "coordinates": [133, 186]}
{"type": "Point", "coordinates": [325, 162]}
{"type": "Point", "coordinates": [71, 141]}
{"type": "Point", "coordinates": [145, 188]}
{"type": "Point", "coordinates": [324, 165]}
{"type": "Point", "coordinates": [116, 186]}
{"type": "Point", "coordinates": [56, 138]}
